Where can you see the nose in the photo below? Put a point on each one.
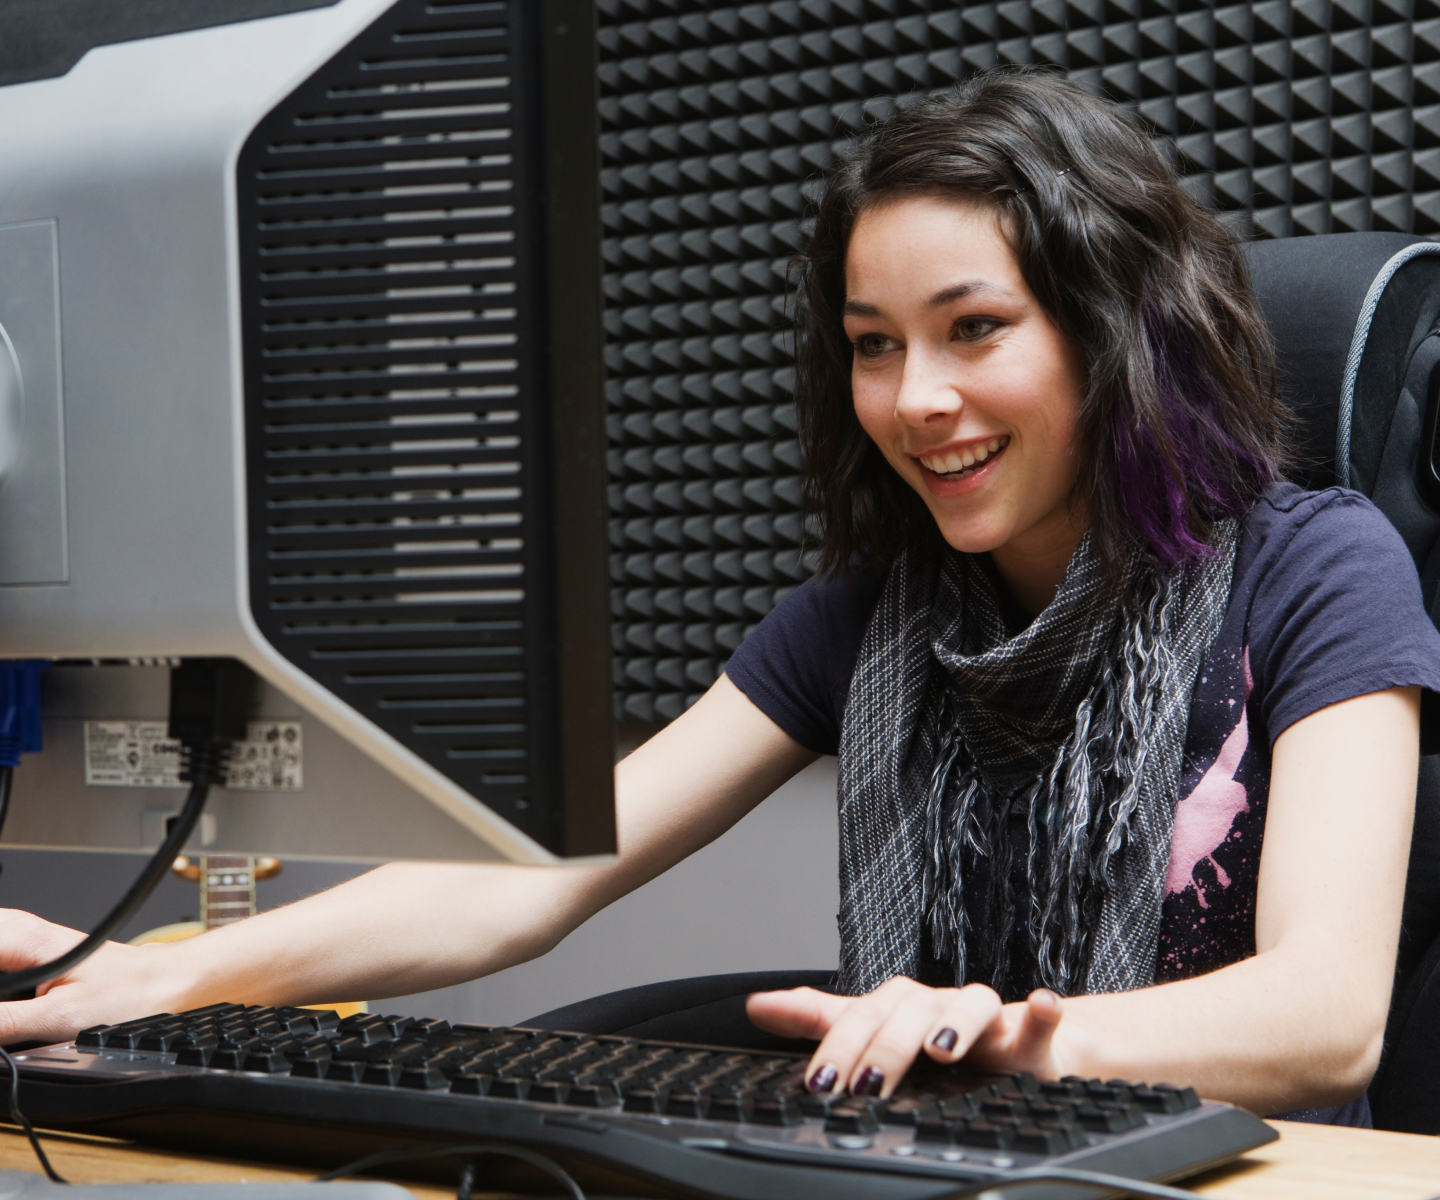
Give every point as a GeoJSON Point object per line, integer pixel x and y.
{"type": "Point", "coordinates": [928, 393]}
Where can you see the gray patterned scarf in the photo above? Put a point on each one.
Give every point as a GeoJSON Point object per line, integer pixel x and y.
{"type": "Point", "coordinates": [955, 729]}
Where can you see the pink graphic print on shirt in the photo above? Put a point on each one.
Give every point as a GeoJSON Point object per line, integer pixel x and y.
{"type": "Point", "coordinates": [1203, 818]}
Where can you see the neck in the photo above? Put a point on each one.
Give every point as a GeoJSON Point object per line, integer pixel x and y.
{"type": "Point", "coordinates": [1032, 566]}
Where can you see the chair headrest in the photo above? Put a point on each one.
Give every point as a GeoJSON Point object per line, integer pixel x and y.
{"type": "Point", "coordinates": [1313, 291]}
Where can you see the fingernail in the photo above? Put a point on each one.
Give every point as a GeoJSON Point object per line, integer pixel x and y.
{"type": "Point", "coordinates": [945, 1039]}
{"type": "Point", "coordinates": [869, 1083]}
{"type": "Point", "coordinates": [823, 1079]}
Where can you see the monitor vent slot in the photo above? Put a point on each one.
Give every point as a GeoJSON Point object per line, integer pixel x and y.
{"type": "Point", "coordinates": [393, 324]}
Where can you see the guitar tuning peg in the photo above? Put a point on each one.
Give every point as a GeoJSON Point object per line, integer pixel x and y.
{"type": "Point", "coordinates": [184, 868]}
{"type": "Point", "coordinates": [268, 868]}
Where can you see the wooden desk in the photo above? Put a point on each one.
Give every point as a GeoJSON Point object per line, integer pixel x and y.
{"type": "Point", "coordinates": [1309, 1162]}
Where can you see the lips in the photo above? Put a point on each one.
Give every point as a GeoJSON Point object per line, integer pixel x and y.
{"type": "Point", "coordinates": [957, 464]}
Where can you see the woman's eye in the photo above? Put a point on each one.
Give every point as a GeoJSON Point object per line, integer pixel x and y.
{"type": "Point", "coordinates": [872, 345]}
{"type": "Point", "coordinates": [972, 328]}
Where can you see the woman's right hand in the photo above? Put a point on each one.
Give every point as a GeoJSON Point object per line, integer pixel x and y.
{"type": "Point", "coordinates": [116, 983]}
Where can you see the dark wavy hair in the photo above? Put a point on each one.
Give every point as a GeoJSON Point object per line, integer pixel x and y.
{"type": "Point", "coordinates": [1179, 413]}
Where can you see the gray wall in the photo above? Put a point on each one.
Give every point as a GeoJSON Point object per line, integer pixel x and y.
{"type": "Point", "coordinates": [762, 897]}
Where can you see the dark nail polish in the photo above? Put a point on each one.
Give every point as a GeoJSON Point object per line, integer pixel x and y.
{"type": "Point", "coordinates": [945, 1039]}
{"type": "Point", "coordinates": [823, 1079]}
{"type": "Point", "coordinates": [869, 1083]}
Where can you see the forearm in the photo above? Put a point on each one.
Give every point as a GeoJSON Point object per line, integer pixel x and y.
{"type": "Point", "coordinates": [402, 928]}
{"type": "Point", "coordinates": [411, 927]}
{"type": "Point", "coordinates": [1273, 1033]}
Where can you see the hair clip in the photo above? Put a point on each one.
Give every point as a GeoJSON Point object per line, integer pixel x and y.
{"type": "Point", "coordinates": [1066, 171]}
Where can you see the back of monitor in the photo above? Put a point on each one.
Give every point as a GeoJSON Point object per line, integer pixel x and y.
{"type": "Point", "coordinates": [301, 366]}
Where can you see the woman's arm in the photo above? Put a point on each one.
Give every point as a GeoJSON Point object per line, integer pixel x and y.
{"type": "Point", "coordinates": [1299, 1025]}
{"type": "Point", "coordinates": [409, 927]}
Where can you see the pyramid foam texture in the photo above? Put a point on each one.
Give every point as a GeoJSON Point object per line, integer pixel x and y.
{"type": "Point", "coordinates": [718, 124]}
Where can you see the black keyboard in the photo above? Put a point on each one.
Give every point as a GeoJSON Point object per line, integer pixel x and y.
{"type": "Point", "coordinates": [622, 1115]}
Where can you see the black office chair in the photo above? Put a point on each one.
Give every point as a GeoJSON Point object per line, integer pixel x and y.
{"type": "Point", "coordinates": [1356, 319]}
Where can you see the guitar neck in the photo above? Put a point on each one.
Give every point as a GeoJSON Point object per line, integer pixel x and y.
{"type": "Point", "coordinates": [227, 889]}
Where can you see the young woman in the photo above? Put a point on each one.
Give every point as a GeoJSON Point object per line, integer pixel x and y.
{"type": "Point", "coordinates": [1120, 717]}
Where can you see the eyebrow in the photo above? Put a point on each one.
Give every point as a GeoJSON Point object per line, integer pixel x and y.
{"type": "Point", "coordinates": [957, 291]}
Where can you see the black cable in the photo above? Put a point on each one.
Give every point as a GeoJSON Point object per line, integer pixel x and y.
{"type": "Point", "coordinates": [1094, 1180]}
{"type": "Point", "coordinates": [7, 776]}
{"type": "Point", "coordinates": [23, 1121]}
{"type": "Point", "coordinates": [466, 1150]}
{"type": "Point", "coordinates": [155, 870]}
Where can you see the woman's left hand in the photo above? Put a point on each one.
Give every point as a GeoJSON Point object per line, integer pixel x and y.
{"type": "Point", "coordinates": [869, 1042]}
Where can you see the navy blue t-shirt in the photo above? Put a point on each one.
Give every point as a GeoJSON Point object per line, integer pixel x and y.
{"type": "Point", "coordinates": [1325, 606]}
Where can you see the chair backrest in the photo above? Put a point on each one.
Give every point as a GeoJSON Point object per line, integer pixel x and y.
{"type": "Point", "coordinates": [1356, 320]}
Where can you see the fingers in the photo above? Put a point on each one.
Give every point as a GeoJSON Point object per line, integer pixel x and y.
{"type": "Point", "coordinates": [798, 1013]}
{"type": "Point", "coordinates": [116, 983]}
{"type": "Point", "coordinates": [967, 1014]}
{"type": "Point", "coordinates": [1023, 1038]}
{"type": "Point", "coordinates": [1038, 1023]}
{"type": "Point", "coordinates": [27, 940]}
{"type": "Point", "coordinates": [873, 1039]}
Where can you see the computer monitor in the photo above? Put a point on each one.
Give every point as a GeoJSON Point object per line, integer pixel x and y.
{"type": "Point", "coordinates": [301, 365]}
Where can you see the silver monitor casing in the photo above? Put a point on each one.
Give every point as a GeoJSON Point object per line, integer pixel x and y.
{"type": "Point", "coordinates": [123, 532]}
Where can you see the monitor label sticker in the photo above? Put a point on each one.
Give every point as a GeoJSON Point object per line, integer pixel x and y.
{"type": "Point", "coordinates": [139, 754]}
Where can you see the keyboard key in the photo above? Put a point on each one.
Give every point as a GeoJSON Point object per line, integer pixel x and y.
{"type": "Point", "coordinates": [687, 1104]}
{"type": "Point", "coordinates": [852, 1119]}
{"type": "Point", "coordinates": [988, 1135]}
{"type": "Point", "coordinates": [472, 1085]}
{"type": "Point", "coordinates": [1004, 1108]}
{"type": "Point", "coordinates": [94, 1036]}
{"type": "Point", "coordinates": [1163, 1098]}
{"type": "Point", "coordinates": [298, 1021]}
{"type": "Point", "coordinates": [908, 1112]}
{"type": "Point", "coordinates": [730, 1106]}
{"type": "Point", "coordinates": [406, 1053]}
{"type": "Point", "coordinates": [965, 1105]}
{"type": "Point", "coordinates": [938, 1130]}
{"type": "Point", "coordinates": [367, 1034]}
{"type": "Point", "coordinates": [594, 1095]}
{"type": "Point", "coordinates": [646, 1100]}
{"type": "Point", "coordinates": [548, 1092]}
{"type": "Point", "coordinates": [315, 1049]}
{"type": "Point", "coordinates": [267, 1062]}
{"type": "Point", "coordinates": [780, 1110]}
{"type": "Point", "coordinates": [426, 1028]}
{"type": "Point", "coordinates": [819, 1104]}
{"type": "Point", "coordinates": [1109, 1118]}
{"type": "Point", "coordinates": [1035, 1139]}
{"type": "Point", "coordinates": [194, 1056]}
{"type": "Point", "coordinates": [347, 1072]}
{"type": "Point", "coordinates": [510, 1086]}
{"type": "Point", "coordinates": [1043, 1112]}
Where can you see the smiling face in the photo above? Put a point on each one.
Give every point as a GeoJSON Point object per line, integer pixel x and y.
{"type": "Point", "coordinates": [966, 385]}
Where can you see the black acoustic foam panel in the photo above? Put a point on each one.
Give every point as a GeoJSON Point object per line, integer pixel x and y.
{"type": "Point", "coordinates": [1289, 116]}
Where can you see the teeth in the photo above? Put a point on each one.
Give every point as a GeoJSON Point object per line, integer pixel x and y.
{"type": "Point", "coordinates": [953, 463]}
